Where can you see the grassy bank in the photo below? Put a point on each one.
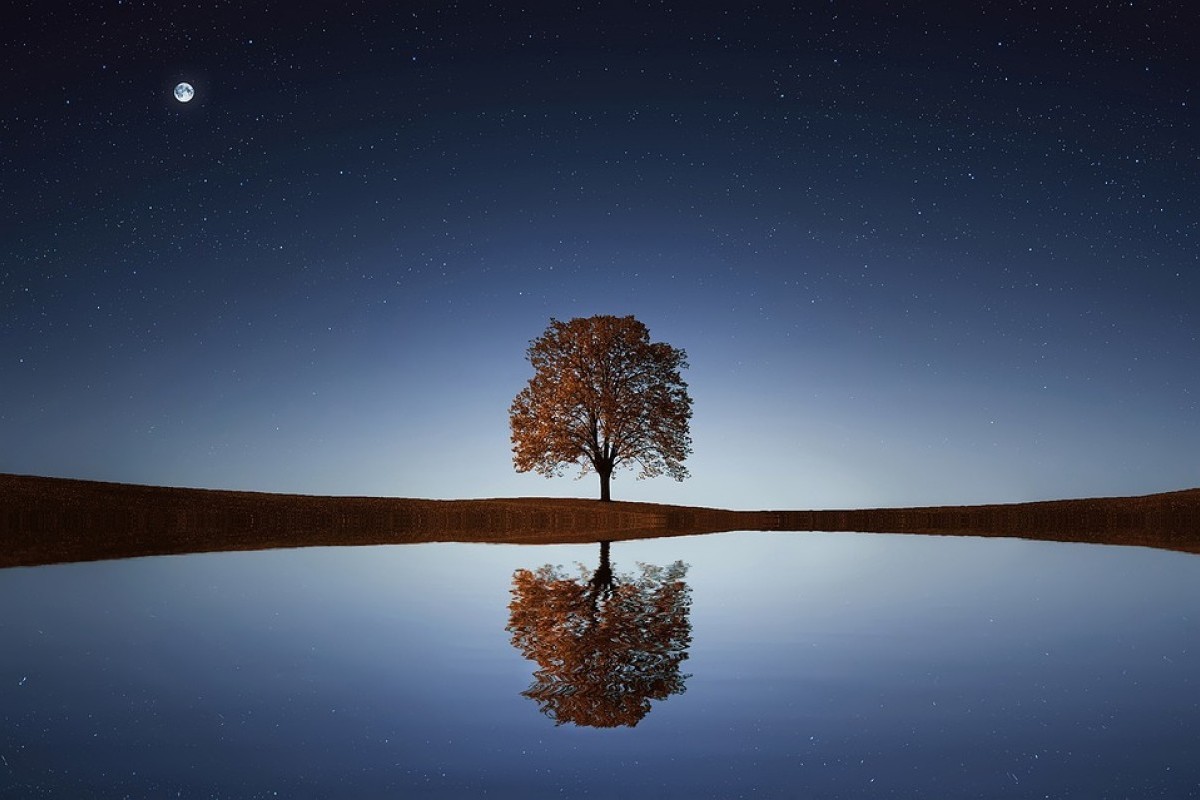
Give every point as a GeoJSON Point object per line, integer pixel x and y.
{"type": "Point", "coordinates": [52, 520]}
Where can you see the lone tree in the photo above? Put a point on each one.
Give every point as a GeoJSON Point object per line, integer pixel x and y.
{"type": "Point", "coordinates": [605, 646]}
{"type": "Point", "coordinates": [602, 396]}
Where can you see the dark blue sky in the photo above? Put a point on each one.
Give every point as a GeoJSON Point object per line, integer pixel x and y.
{"type": "Point", "coordinates": [916, 255]}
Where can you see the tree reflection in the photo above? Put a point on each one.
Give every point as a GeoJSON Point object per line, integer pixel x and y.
{"type": "Point", "coordinates": [606, 645]}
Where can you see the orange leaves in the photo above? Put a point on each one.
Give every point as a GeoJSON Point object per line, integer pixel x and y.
{"type": "Point", "coordinates": [602, 396]}
{"type": "Point", "coordinates": [604, 648]}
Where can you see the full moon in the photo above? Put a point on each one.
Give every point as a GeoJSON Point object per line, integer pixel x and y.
{"type": "Point", "coordinates": [184, 92]}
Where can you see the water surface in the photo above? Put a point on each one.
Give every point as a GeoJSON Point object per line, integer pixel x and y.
{"type": "Point", "coordinates": [828, 665]}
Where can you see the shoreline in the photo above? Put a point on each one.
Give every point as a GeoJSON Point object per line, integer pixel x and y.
{"type": "Point", "coordinates": [59, 520]}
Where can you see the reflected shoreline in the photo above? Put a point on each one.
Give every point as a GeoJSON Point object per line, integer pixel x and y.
{"type": "Point", "coordinates": [55, 520]}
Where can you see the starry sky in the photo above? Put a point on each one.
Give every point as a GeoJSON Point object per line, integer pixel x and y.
{"type": "Point", "coordinates": [918, 253]}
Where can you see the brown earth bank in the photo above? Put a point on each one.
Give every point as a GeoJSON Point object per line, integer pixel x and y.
{"type": "Point", "coordinates": [55, 520]}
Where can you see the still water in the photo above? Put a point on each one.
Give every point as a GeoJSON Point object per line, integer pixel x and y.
{"type": "Point", "coordinates": [765, 665]}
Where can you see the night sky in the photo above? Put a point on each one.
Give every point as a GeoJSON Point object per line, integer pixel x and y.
{"type": "Point", "coordinates": [915, 255]}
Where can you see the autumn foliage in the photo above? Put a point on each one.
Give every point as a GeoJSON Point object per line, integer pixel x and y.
{"type": "Point", "coordinates": [604, 647]}
{"type": "Point", "coordinates": [602, 396]}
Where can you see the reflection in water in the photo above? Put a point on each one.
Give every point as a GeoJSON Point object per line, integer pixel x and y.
{"type": "Point", "coordinates": [605, 645]}
{"type": "Point", "coordinates": [855, 667]}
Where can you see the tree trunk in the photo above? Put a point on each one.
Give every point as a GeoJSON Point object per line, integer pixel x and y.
{"type": "Point", "coordinates": [602, 579]}
{"type": "Point", "coordinates": [605, 473]}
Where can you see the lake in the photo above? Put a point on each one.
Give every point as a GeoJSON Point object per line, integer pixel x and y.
{"type": "Point", "coordinates": [765, 665]}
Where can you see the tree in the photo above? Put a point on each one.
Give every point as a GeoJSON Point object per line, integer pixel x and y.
{"type": "Point", "coordinates": [605, 646]}
{"type": "Point", "coordinates": [602, 396]}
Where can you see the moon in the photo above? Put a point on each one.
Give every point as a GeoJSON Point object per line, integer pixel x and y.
{"type": "Point", "coordinates": [184, 92]}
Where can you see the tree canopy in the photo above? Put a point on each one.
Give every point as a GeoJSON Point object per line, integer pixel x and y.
{"type": "Point", "coordinates": [605, 647]}
{"type": "Point", "coordinates": [602, 396]}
